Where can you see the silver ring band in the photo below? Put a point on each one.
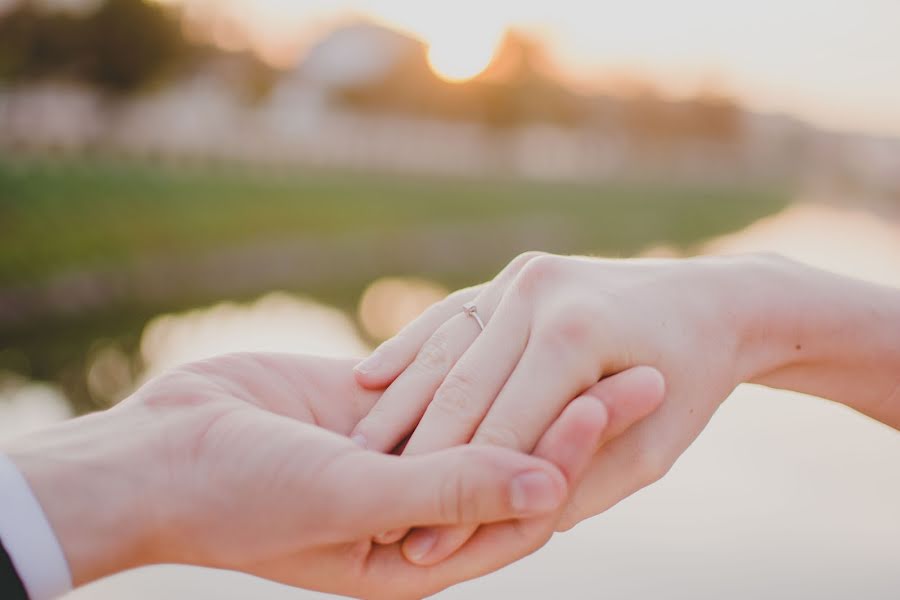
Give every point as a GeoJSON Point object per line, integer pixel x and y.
{"type": "Point", "coordinates": [471, 310]}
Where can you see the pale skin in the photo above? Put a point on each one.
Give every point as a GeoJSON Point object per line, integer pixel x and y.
{"type": "Point", "coordinates": [556, 325]}
{"type": "Point", "coordinates": [243, 463]}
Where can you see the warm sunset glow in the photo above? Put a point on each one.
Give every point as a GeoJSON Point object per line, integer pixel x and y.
{"type": "Point", "coordinates": [460, 60]}
{"type": "Point", "coordinates": [838, 70]}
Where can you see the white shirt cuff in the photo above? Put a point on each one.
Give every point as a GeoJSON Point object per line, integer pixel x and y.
{"type": "Point", "coordinates": [28, 538]}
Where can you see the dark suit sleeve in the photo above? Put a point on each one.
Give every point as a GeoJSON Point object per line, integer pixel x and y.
{"type": "Point", "coordinates": [11, 587]}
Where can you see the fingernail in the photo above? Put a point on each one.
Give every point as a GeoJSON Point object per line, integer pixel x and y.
{"type": "Point", "coordinates": [534, 492]}
{"type": "Point", "coordinates": [419, 544]}
{"type": "Point", "coordinates": [360, 440]}
{"type": "Point", "coordinates": [368, 365]}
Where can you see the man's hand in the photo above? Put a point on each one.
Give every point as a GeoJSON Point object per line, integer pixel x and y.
{"type": "Point", "coordinates": [243, 463]}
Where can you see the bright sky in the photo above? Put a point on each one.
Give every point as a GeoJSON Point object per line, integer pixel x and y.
{"type": "Point", "coordinates": [834, 62]}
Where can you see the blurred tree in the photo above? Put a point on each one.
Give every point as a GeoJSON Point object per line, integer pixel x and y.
{"type": "Point", "coordinates": [517, 87]}
{"type": "Point", "coordinates": [717, 117]}
{"type": "Point", "coordinates": [518, 61]}
{"type": "Point", "coordinates": [120, 46]}
{"type": "Point", "coordinates": [659, 124]}
{"type": "Point", "coordinates": [130, 43]}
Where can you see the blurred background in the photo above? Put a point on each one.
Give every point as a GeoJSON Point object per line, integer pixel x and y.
{"type": "Point", "coordinates": [184, 178]}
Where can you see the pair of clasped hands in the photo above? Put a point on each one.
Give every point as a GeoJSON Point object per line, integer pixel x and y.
{"type": "Point", "coordinates": [451, 451]}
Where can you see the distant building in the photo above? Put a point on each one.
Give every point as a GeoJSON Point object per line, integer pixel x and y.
{"type": "Point", "coordinates": [364, 98]}
{"type": "Point", "coordinates": [356, 55]}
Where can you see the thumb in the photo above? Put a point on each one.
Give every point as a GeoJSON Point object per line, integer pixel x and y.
{"type": "Point", "coordinates": [467, 484]}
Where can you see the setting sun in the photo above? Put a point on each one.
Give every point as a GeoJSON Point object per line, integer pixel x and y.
{"type": "Point", "coordinates": [461, 60]}
{"type": "Point", "coordinates": [679, 47]}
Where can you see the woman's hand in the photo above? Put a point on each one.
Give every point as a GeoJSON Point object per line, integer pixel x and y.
{"type": "Point", "coordinates": [243, 463]}
{"type": "Point", "coordinates": [556, 326]}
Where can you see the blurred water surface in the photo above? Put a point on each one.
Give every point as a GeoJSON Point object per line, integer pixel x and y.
{"type": "Point", "coordinates": [784, 496]}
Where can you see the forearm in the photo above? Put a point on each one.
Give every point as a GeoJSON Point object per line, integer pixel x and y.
{"type": "Point", "coordinates": [819, 333]}
{"type": "Point", "coordinates": [88, 481]}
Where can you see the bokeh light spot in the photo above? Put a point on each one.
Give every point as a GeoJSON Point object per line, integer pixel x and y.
{"type": "Point", "coordinates": [390, 303]}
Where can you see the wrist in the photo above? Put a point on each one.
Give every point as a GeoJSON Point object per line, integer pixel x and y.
{"type": "Point", "coordinates": [818, 333]}
{"type": "Point", "coordinates": [92, 493]}
{"type": "Point", "coordinates": [738, 294]}
{"type": "Point", "coordinates": [761, 306]}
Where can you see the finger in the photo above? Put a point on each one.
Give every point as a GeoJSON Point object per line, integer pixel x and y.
{"type": "Point", "coordinates": [451, 414]}
{"type": "Point", "coordinates": [393, 356]}
{"type": "Point", "coordinates": [629, 397]}
{"type": "Point", "coordinates": [466, 394]}
{"type": "Point", "coordinates": [569, 444]}
{"type": "Point", "coordinates": [606, 409]}
{"type": "Point", "coordinates": [390, 537]}
{"type": "Point", "coordinates": [402, 405]}
{"type": "Point", "coordinates": [544, 381]}
{"type": "Point", "coordinates": [396, 354]}
{"type": "Point", "coordinates": [441, 400]}
{"type": "Point", "coordinates": [614, 474]}
{"type": "Point", "coordinates": [493, 547]}
{"type": "Point", "coordinates": [383, 571]}
{"type": "Point", "coordinates": [444, 435]}
{"type": "Point", "coordinates": [458, 405]}
{"type": "Point", "coordinates": [461, 485]}
{"type": "Point", "coordinates": [626, 464]}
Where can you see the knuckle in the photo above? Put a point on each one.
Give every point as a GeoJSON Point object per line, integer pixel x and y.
{"type": "Point", "coordinates": [456, 497]}
{"type": "Point", "coordinates": [519, 262]}
{"type": "Point", "coordinates": [569, 325]}
{"type": "Point", "coordinates": [500, 435]}
{"type": "Point", "coordinates": [454, 396]}
{"type": "Point", "coordinates": [577, 315]}
{"type": "Point", "coordinates": [536, 273]}
{"type": "Point", "coordinates": [435, 354]}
